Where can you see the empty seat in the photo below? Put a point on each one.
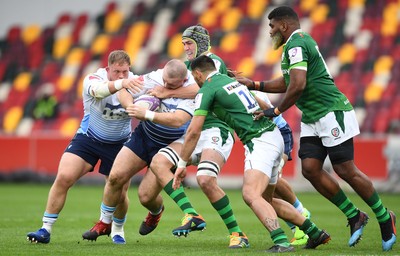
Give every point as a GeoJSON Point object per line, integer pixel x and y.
{"type": "Point", "coordinates": [12, 118]}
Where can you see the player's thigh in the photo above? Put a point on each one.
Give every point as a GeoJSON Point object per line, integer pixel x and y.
{"type": "Point", "coordinates": [72, 167]}
{"type": "Point", "coordinates": [126, 165]}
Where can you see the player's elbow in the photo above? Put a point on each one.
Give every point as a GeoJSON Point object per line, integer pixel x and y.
{"type": "Point", "coordinates": [178, 122]}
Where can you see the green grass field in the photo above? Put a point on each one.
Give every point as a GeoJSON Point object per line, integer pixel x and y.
{"type": "Point", "coordinates": [24, 204]}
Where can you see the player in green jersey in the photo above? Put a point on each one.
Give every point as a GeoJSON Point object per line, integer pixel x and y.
{"type": "Point", "coordinates": [328, 124]}
{"type": "Point", "coordinates": [234, 104]}
{"type": "Point", "coordinates": [213, 149]}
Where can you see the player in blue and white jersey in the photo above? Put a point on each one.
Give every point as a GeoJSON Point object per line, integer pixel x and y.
{"type": "Point", "coordinates": [148, 138]}
{"type": "Point", "coordinates": [104, 128]}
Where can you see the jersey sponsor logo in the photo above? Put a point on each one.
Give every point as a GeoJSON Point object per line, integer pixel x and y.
{"type": "Point", "coordinates": [111, 112]}
{"type": "Point", "coordinates": [335, 132]}
{"type": "Point", "coordinates": [229, 88]}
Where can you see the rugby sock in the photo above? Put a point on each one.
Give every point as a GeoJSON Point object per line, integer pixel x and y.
{"type": "Point", "coordinates": [310, 229]}
{"type": "Point", "coordinates": [158, 211]}
{"type": "Point", "coordinates": [118, 225]}
{"type": "Point", "coordinates": [180, 198]}
{"type": "Point", "coordinates": [376, 205]}
{"type": "Point", "coordinates": [48, 220]}
{"type": "Point", "coordinates": [298, 205]}
{"type": "Point", "coordinates": [344, 204]}
{"type": "Point", "coordinates": [279, 237]}
{"type": "Point", "coordinates": [106, 213]}
{"type": "Point", "coordinates": [224, 210]}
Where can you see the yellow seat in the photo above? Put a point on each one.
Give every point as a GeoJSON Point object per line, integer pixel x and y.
{"type": "Point", "coordinates": [255, 8]}
{"type": "Point", "coordinates": [12, 118]}
{"type": "Point", "coordinates": [230, 42]}
{"type": "Point", "coordinates": [175, 49]}
{"type": "Point", "coordinates": [221, 6]}
{"type": "Point", "coordinates": [61, 47]}
{"type": "Point", "coordinates": [347, 53]}
{"type": "Point", "coordinates": [308, 5]}
{"type": "Point", "coordinates": [136, 36]}
{"type": "Point", "coordinates": [246, 66]}
{"type": "Point", "coordinates": [75, 56]}
{"type": "Point", "coordinates": [113, 21]}
{"type": "Point", "coordinates": [65, 83]}
{"type": "Point", "coordinates": [273, 56]}
{"type": "Point", "coordinates": [320, 13]}
{"type": "Point", "coordinates": [356, 3]}
{"type": "Point", "coordinates": [209, 18]}
{"type": "Point", "coordinates": [390, 21]}
{"type": "Point", "coordinates": [22, 81]}
{"type": "Point", "coordinates": [231, 19]}
{"type": "Point", "coordinates": [69, 127]}
{"type": "Point", "coordinates": [383, 64]}
{"type": "Point", "coordinates": [30, 33]}
{"type": "Point", "coordinates": [100, 44]}
{"type": "Point", "coordinates": [373, 93]}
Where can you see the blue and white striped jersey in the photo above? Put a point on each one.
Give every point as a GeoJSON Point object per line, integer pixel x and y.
{"type": "Point", "coordinates": [104, 120]}
{"type": "Point", "coordinates": [162, 134]}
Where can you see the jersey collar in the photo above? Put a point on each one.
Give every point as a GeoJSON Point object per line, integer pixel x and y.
{"type": "Point", "coordinates": [294, 32]}
{"type": "Point", "coordinates": [211, 74]}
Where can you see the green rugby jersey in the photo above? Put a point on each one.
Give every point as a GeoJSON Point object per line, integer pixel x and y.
{"type": "Point", "coordinates": [234, 104]}
{"type": "Point", "coordinates": [320, 95]}
{"type": "Point", "coordinates": [211, 119]}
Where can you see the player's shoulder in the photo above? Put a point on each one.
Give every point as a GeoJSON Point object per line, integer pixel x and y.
{"type": "Point", "coordinates": [99, 75]}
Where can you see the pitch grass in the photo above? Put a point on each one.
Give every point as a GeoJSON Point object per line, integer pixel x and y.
{"type": "Point", "coordinates": [23, 206]}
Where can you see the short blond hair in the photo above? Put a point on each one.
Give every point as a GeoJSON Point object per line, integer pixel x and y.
{"type": "Point", "coordinates": [118, 56]}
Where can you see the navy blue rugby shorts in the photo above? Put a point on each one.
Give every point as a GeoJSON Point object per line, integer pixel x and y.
{"type": "Point", "coordinates": [92, 151]}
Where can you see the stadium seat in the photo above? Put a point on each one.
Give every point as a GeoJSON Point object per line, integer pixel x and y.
{"type": "Point", "coordinates": [175, 49]}
{"type": "Point", "coordinates": [307, 5]}
{"type": "Point", "coordinates": [69, 127]}
{"type": "Point", "coordinates": [209, 18]}
{"type": "Point", "coordinates": [319, 14]}
{"type": "Point", "coordinates": [61, 47]}
{"type": "Point", "coordinates": [22, 81]}
{"type": "Point", "coordinates": [30, 33]}
{"type": "Point", "coordinates": [100, 44]}
{"type": "Point", "coordinates": [347, 53]}
{"type": "Point", "coordinates": [230, 42]}
{"type": "Point", "coordinates": [255, 8]}
{"type": "Point", "coordinates": [230, 19]}
{"type": "Point", "coordinates": [12, 118]}
{"type": "Point", "coordinates": [247, 66]}
{"type": "Point", "coordinates": [113, 21]}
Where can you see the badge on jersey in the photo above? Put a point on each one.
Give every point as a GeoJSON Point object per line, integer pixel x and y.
{"type": "Point", "coordinates": [295, 55]}
{"type": "Point", "coordinates": [197, 101]}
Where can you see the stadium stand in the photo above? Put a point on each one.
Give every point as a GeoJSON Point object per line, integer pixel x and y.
{"type": "Point", "coordinates": [359, 39]}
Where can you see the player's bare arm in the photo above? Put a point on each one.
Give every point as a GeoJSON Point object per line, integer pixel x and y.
{"type": "Point", "coordinates": [191, 138]}
{"type": "Point", "coordinates": [175, 119]}
{"type": "Point", "coordinates": [276, 85]}
{"type": "Point", "coordinates": [295, 89]}
{"type": "Point", "coordinates": [125, 98]}
{"type": "Point", "coordinates": [187, 92]}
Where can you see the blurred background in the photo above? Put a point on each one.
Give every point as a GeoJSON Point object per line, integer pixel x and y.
{"type": "Point", "coordinates": [47, 47]}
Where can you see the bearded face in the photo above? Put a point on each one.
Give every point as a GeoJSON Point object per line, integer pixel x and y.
{"type": "Point", "coordinates": [277, 40]}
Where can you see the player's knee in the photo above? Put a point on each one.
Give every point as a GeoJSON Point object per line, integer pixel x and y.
{"type": "Point", "coordinates": [166, 157]}
{"type": "Point", "coordinates": [207, 172]}
{"type": "Point", "coordinates": [248, 195]}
